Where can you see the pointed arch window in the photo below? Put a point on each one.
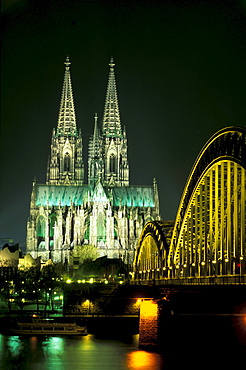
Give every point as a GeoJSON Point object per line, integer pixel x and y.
{"type": "Point", "coordinates": [67, 162]}
{"type": "Point", "coordinates": [112, 163]}
{"type": "Point", "coordinates": [52, 221]}
{"type": "Point", "coordinates": [101, 227]}
{"type": "Point", "coordinates": [41, 227]}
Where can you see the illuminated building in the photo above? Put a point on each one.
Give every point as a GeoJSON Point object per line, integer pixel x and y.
{"type": "Point", "coordinates": [108, 212]}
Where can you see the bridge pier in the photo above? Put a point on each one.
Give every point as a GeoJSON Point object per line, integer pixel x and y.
{"type": "Point", "coordinates": [154, 318]}
{"type": "Point", "coordinates": [148, 323]}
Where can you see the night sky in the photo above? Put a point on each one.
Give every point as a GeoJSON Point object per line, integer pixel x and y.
{"type": "Point", "coordinates": [180, 74]}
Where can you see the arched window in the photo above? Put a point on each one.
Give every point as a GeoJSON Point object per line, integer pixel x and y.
{"type": "Point", "coordinates": [101, 227]}
{"type": "Point", "coordinates": [41, 227]}
{"type": "Point", "coordinates": [52, 221]}
{"type": "Point", "coordinates": [112, 163]}
{"type": "Point", "coordinates": [67, 162]}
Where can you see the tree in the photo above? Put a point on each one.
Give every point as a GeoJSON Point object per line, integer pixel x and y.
{"type": "Point", "coordinates": [33, 284]}
{"type": "Point", "coordinates": [22, 291]}
{"type": "Point", "coordinates": [86, 252]}
{"type": "Point", "coordinates": [6, 294]}
{"type": "Point", "coordinates": [50, 279]}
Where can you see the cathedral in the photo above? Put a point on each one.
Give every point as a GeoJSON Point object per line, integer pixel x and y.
{"type": "Point", "coordinates": [107, 212]}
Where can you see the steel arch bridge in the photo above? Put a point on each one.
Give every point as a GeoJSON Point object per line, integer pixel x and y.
{"type": "Point", "coordinates": [208, 237]}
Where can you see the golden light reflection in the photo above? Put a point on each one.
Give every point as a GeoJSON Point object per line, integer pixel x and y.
{"type": "Point", "coordinates": [87, 343]}
{"type": "Point", "coordinates": [142, 360]}
{"type": "Point", "coordinates": [33, 342]}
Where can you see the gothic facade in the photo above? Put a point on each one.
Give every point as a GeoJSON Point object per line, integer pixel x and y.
{"type": "Point", "coordinates": [107, 212]}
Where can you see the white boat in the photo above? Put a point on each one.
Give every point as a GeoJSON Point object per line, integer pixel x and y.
{"type": "Point", "coordinates": [48, 327]}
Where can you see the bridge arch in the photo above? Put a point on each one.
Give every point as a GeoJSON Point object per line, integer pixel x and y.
{"type": "Point", "coordinates": [152, 250]}
{"type": "Point", "coordinates": [209, 232]}
{"type": "Point", "coordinates": [208, 236]}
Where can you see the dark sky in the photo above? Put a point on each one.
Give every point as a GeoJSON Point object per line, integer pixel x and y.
{"type": "Point", "coordinates": [180, 72]}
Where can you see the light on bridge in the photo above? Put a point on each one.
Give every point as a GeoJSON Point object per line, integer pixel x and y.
{"type": "Point", "coordinates": [148, 308]}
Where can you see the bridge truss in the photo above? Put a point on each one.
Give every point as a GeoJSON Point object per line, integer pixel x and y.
{"type": "Point", "coordinates": [208, 237]}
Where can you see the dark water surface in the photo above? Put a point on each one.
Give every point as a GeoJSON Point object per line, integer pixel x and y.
{"type": "Point", "coordinates": [66, 353]}
{"type": "Point", "coordinates": [211, 342]}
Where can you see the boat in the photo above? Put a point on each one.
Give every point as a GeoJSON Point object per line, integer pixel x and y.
{"type": "Point", "coordinates": [47, 327]}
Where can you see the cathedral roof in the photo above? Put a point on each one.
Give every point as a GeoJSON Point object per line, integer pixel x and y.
{"type": "Point", "coordinates": [58, 195]}
{"type": "Point", "coordinates": [133, 196]}
{"type": "Point", "coordinates": [129, 196]}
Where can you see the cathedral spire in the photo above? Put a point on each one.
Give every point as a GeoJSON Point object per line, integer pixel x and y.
{"type": "Point", "coordinates": [95, 165]}
{"type": "Point", "coordinates": [95, 139]}
{"type": "Point", "coordinates": [95, 135]}
{"type": "Point", "coordinates": [67, 119]}
{"type": "Point", "coordinates": [65, 165]}
{"type": "Point", "coordinates": [111, 126]}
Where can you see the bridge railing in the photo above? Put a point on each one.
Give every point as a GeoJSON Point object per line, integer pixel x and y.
{"type": "Point", "coordinates": [210, 280]}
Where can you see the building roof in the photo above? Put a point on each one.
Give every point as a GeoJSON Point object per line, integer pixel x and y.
{"type": "Point", "coordinates": [61, 195]}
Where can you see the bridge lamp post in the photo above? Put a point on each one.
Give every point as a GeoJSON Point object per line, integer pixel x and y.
{"type": "Point", "coordinates": [226, 266]}
{"type": "Point", "coordinates": [241, 266]}
{"type": "Point", "coordinates": [214, 264]}
{"type": "Point", "coordinates": [177, 269]}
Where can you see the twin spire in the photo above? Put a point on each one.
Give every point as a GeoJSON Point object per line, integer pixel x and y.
{"type": "Point", "coordinates": [67, 119]}
{"type": "Point", "coordinates": [107, 149]}
{"type": "Point", "coordinates": [111, 126]}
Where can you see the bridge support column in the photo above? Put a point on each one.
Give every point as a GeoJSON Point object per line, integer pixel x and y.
{"type": "Point", "coordinates": [148, 324]}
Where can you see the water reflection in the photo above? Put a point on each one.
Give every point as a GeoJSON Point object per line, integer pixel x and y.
{"type": "Point", "coordinates": [66, 353]}
{"type": "Point", "coordinates": [14, 346]}
{"type": "Point", "coordinates": [143, 360]}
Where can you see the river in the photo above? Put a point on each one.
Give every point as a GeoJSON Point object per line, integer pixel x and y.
{"type": "Point", "coordinates": [194, 345]}
{"type": "Point", "coordinates": [64, 353]}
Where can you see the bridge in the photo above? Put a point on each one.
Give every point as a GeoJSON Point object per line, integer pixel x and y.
{"type": "Point", "coordinates": [205, 246]}
{"type": "Point", "coordinates": [207, 242]}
